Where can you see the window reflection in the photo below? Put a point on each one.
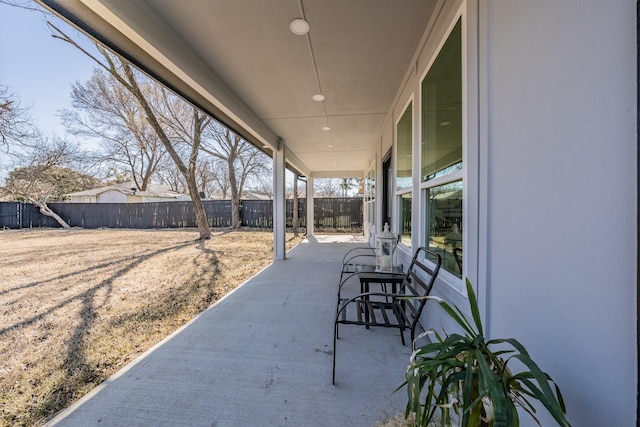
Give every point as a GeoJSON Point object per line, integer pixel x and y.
{"type": "Point", "coordinates": [444, 215]}
{"type": "Point", "coordinates": [404, 161]}
{"type": "Point", "coordinates": [442, 111]}
{"type": "Point", "coordinates": [405, 219]}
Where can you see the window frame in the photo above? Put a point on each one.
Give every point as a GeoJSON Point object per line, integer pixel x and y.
{"type": "Point", "coordinates": [457, 175]}
{"type": "Point", "coordinates": [369, 195]}
{"type": "Point", "coordinates": [399, 193]}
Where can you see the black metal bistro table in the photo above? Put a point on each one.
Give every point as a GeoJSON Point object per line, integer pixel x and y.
{"type": "Point", "coordinates": [383, 278]}
{"type": "Point", "coordinates": [372, 277]}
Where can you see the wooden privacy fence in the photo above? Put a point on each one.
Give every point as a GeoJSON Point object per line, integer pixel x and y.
{"type": "Point", "coordinates": [343, 213]}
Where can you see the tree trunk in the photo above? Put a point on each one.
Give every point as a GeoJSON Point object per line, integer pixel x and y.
{"type": "Point", "coordinates": [235, 197]}
{"type": "Point", "coordinates": [46, 210]}
{"type": "Point", "coordinates": [187, 172]}
{"type": "Point", "coordinates": [198, 207]}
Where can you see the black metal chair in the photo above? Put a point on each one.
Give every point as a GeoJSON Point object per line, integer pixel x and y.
{"type": "Point", "coordinates": [355, 258]}
{"type": "Point", "coordinates": [361, 251]}
{"type": "Point", "coordinates": [401, 310]}
{"type": "Point", "coordinates": [355, 261]}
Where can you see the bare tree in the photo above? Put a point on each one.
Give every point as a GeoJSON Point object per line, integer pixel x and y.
{"type": "Point", "coordinates": [44, 176]}
{"type": "Point", "coordinates": [16, 124]}
{"type": "Point", "coordinates": [215, 177]}
{"type": "Point", "coordinates": [23, 4]}
{"type": "Point", "coordinates": [211, 174]}
{"type": "Point", "coordinates": [40, 161]}
{"type": "Point", "coordinates": [112, 114]}
{"type": "Point", "coordinates": [264, 185]}
{"type": "Point", "coordinates": [125, 75]}
{"type": "Point", "coordinates": [242, 160]}
{"type": "Point", "coordinates": [183, 130]}
{"type": "Point", "coordinates": [327, 187]}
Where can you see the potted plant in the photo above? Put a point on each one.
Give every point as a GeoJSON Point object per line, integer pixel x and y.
{"type": "Point", "coordinates": [465, 378]}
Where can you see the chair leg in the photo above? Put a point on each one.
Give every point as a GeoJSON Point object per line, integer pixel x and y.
{"type": "Point", "coordinates": [335, 339]}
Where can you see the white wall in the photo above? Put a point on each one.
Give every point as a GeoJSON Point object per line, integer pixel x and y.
{"type": "Point", "coordinates": [112, 196]}
{"type": "Point", "coordinates": [83, 199]}
{"type": "Point", "coordinates": [560, 195]}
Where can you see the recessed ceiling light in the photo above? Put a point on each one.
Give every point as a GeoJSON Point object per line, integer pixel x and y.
{"type": "Point", "coordinates": [330, 145]}
{"type": "Point", "coordinates": [318, 97]}
{"type": "Point", "coordinates": [327, 128]}
{"type": "Point", "coordinates": [299, 27]}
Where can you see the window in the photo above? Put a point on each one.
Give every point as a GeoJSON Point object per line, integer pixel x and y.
{"type": "Point", "coordinates": [404, 173]}
{"type": "Point", "coordinates": [405, 218]}
{"type": "Point", "coordinates": [444, 224]}
{"type": "Point", "coordinates": [404, 158]}
{"type": "Point", "coordinates": [370, 183]}
{"type": "Point", "coordinates": [370, 193]}
{"type": "Point", "coordinates": [441, 153]}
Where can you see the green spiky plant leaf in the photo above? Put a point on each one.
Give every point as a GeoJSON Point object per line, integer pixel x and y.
{"type": "Point", "coordinates": [461, 378]}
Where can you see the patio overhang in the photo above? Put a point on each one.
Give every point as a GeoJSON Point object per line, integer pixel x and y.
{"type": "Point", "coordinates": [239, 61]}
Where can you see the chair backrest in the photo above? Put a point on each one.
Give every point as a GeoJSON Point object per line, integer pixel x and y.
{"type": "Point", "coordinates": [419, 280]}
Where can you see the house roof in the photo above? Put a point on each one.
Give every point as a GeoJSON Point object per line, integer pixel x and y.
{"type": "Point", "coordinates": [239, 61]}
{"type": "Point", "coordinates": [250, 195]}
{"type": "Point", "coordinates": [129, 188]}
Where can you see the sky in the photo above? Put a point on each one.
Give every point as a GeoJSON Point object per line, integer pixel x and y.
{"type": "Point", "coordinates": [38, 68]}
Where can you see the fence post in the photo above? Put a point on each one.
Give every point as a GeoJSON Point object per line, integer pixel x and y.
{"type": "Point", "coordinates": [295, 204]}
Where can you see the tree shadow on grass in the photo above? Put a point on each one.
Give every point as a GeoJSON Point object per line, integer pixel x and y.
{"type": "Point", "coordinates": [97, 267]}
{"type": "Point", "coordinates": [197, 292]}
{"type": "Point", "coordinates": [78, 370]}
{"type": "Point", "coordinates": [89, 293]}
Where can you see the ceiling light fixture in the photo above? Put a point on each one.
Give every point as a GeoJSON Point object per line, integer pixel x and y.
{"type": "Point", "coordinates": [326, 128]}
{"type": "Point", "coordinates": [299, 27]}
{"type": "Point", "coordinates": [318, 97]}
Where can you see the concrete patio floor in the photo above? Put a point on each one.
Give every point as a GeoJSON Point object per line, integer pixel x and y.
{"type": "Point", "coordinates": [261, 357]}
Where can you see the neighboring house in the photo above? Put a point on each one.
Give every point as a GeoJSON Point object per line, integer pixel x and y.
{"type": "Point", "coordinates": [510, 119]}
{"type": "Point", "coordinates": [127, 193]}
{"type": "Point", "coordinates": [250, 195]}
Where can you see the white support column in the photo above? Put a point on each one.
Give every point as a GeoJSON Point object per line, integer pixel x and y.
{"type": "Point", "coordinates": [310, 208]}
{"type": "Point", "coordinates": [279, 203]}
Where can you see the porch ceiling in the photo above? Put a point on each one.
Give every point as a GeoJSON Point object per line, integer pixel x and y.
{"type": "Point", "coordinates": [238, 60]}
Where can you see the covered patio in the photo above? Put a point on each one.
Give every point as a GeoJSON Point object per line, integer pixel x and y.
{"type": "Point", "coordinates": [261, 356]}
{"type": "Point", "coordinates": [504, 132]}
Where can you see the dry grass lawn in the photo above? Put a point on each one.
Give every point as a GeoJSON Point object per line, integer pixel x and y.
{"type": "Point", "coordinates": [77, 305]}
